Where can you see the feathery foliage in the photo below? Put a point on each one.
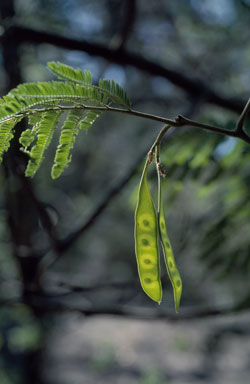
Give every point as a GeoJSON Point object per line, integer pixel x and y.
{"type": "Point", "coordinates": [66, 142]}
{"type": "Point", "coordinates": [89, 119]}
{"type": "Point", "coordinates": [6, 134]}
{"type": "Point", "coordinates": [113, 91]}
{"type": "Point", "coordinates": [65, 72]}
{"type": "Point", "coordinates": [44, 130]}
{"type": "Point", "coordinates": [45, 92]}
{"type": "Point", "coordinates": [44, 102]}
{"type": "Point", "coordinates": [109, 89]}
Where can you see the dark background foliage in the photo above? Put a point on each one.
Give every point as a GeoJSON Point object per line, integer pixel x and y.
{"type": "Point", "coordinates": [66, 246]}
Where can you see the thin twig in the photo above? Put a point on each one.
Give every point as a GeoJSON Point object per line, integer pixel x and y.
{"type": "Point", "coordinates": [242, 118]}
{"type": "Point", "coordinates": [183, 121]}
{"type": "Point", "coordinates": [179, 121]}
{"type": "Point", "coordinates": [159, 138]}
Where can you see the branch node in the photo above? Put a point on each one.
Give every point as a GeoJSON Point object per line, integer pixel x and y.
{"type": "Point", "coordinates": [239, 127]}
{"type": "Point", "coordinates": [180, 120]}
{"type": "Point", "coordinates": [150, 156]}
{"type": "Point", "coordinates": [161, 169]}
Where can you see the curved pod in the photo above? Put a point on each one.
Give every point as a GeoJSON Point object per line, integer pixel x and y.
{"type": "Point", "coordinates": [146, 241]}
{"type": "Point", "coordinates": [172, 269]}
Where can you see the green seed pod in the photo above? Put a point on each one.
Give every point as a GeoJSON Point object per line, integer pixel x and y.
{"type": "Point", "coordinates": [172, 269]}
{"type": "Point", "coordinates": [146, 241]}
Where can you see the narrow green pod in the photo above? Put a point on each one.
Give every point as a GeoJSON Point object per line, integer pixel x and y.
{"type": "Point", "coordinates": [172, 269]}
{"type": "Point", "coordinates": [146, 241]}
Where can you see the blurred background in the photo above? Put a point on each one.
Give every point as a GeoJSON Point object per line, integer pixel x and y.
{"type": "Point", "coordinates": [72, 309]}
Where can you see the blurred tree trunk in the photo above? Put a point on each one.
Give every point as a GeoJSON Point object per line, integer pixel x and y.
{"type": "Point", "coordinates": [21, 214]}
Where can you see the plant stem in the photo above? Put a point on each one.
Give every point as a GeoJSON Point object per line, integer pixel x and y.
{"type": "Point", "coordinates": [157, 163]}
{"type": "Point", "coordinates": [239, 126]}
{"type": "Point", "coordinates": [156, 145]}
{"type": "Point", "coordinates": [179, 121]}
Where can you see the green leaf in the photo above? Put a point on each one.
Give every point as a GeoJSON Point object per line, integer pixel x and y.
{"type": "Point", "coordinates": [43, 102]}
{"type": "Point", "coordinates": [27, 137]}
{"type": "Point", "coordinates": [115, 92]}
{"type": "Point", "coordinates": [34, 118]}
{"type": "Point", "coordinates": [15, 107]}
{"type": "Point", "coordinates": [6, 134]}
{"type": "Point", "coordinates": [68, 73]}
{"type": "Point", "coordinates": [110, 89]}
{"type": "Point", "coordinates": [67, 139]}
{"type": "Point", "coordinates": [51, 91]}
{"type": "Point", "coordinates": [45, 130]}
{"type": "Point", "coordinates": [89, 119]}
